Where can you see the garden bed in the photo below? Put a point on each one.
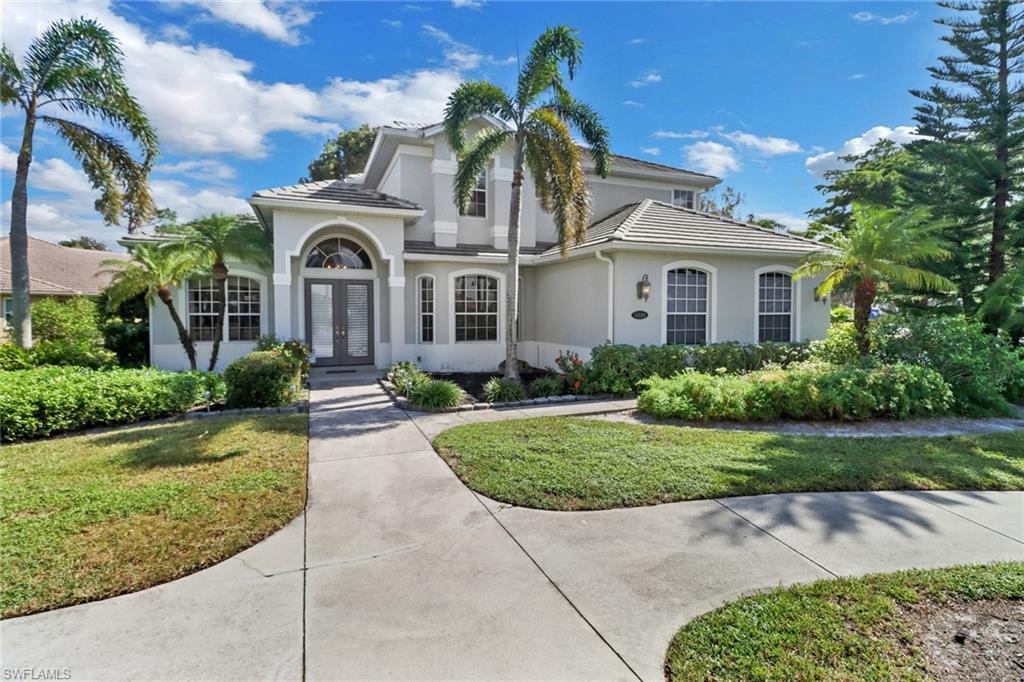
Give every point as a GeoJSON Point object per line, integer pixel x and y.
{"type": "Point", "coordinates": [473, 382]}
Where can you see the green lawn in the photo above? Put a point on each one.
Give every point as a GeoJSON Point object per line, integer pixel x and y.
{"type": "Point", "coordinates": [570, 463]}
{"type": "Point", "coordinates": [847, 629]}
{"type": "Point", "coordinates": [87, 517]}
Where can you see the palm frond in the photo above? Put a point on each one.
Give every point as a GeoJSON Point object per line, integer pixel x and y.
{"type": "Point", "coordinates": [541, 70]}
{"type": "Point", "coordinates": [915, 278]}
{"type": "Point", "coordinates": [474, 161]}
{"type": "Point", "coordinates": [472, 99]}
{"type": "Point", "coordinates": [586, 120]}
{"type": "Point", "coordinates": [12, 82]}
{"type": "Point", "coordinates": [67, 44]}
{"type": "Point", "coordinates": [556, 164]}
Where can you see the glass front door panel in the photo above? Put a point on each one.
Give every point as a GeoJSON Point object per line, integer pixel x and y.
{"type": "Point", "coordinates": [321, 315]}
{"type": "Point", "coordinates": [357, 313]}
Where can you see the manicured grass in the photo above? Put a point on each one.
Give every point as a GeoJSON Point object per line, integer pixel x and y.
{"type": "Point", "coordinates": [847, 629]}
{"type": "Point", "coordinates": [573, 463]}
{"type": "Point", "coordinates": [87, 517]}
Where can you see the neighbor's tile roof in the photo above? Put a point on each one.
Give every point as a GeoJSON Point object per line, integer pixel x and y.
{"type": "Point", "coordinates": [336, 192]}
{"type": "Point", "coordinates": [655, 222]}
{"type": "Point", "coordinates": [59, 270]}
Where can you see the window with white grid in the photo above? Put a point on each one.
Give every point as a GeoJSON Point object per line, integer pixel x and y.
{"type": "Point", "coordinates": [202, 308]}
{"type": "Point", "coordinates": [243, 309]}
{"type": "Point", "coordinates": [478, 198]}
{"type": "Point", "coordinates": [775, 307]}
{"type": "Point", "coordinates": [682, 198]}
{"type": "Point", "coordinates": [687, 307]}
{"type": "Point", "coordinates": [476, 308]}
{"type": "Point", "coordinates": [426, 309]}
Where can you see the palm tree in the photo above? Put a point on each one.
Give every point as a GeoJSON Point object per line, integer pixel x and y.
{"type": "Point", "coordinates": [75, 68]}
{"type": "Point", "coordinates": [541, 141]}
{"type": "Point", "coordinates": [881, 248]}
{"type": "Point", "coordinates": [212, 241]}
{"type": "Point", "coordinates": [153, 270]}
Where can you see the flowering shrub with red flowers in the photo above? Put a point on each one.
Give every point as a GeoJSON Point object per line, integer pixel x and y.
{"type": "Point", "coordinates": [578, 375]}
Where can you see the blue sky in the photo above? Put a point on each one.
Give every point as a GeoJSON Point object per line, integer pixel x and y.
{"type": "Point", "coordinates": [762, 94]}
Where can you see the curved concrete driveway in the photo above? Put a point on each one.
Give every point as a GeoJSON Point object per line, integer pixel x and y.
{"type": "Point", "coordinates": [397, 570]}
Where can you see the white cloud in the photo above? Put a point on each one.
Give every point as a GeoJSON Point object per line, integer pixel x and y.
{"type": "Point", "coordinates": [631, 103]}
{"type": "Point", "coordinates": [653, 151]}
{"type": "Point", "coordinates": [174, 33]}
{"type": "Point", "coordinates": [821, 163]}
{"type": "Point", "coordinates": [712, 158]}
{"type": "Point", "coordinates": [856, 77]}
{"type": "Point", "coordinates": [275, 20]}
{"type": "Point", "coordinates": [205, 170]}
{"type": "Point", "coordinates": [189, 203]}
{"type": "Point", "coordinates": [636, 41]}
{"type": "Point", "coordinates": [791, 221]}
{"type": "Point", "coordinates": [393, 23]}
{"type": "Point", "coordinates": [676, 135]}
{"type": "Point", "coordinates": [869, 17]}
{"type": "Point", "coordinates": [646, 79]}
{"type": "Point", "coordinates": [467, 4]}
{"type": "Point", "coordinates": [460, 55]}
{"type": "Point", "coordinates": [769, 146]}
{"type": "Point", "coordinates": [8, 158]}
{"type": "Point", "coordinates": [419, 96]}
{"type": "Point", "coordinates": [57, 175]}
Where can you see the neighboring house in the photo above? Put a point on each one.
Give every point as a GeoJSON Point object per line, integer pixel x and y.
{"type": "Point", "coordinates": [388, 269]}
{"type": "Point", "coordinates": [54, 271]}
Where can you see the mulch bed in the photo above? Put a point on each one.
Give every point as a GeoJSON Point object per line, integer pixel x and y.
{"type": "Point", "coordinates": [981, 640]}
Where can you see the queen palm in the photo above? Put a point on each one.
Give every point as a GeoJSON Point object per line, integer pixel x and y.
{"type": "Point", "coordinates": [881, 248]}
{"type": "Point", "coordinates": [74, 68]}
{"type": "Point", "coordinates": [212, 241]}
{"type": "Point", "coordinates": [540, 134]}
{"type": "Point", "coordinates": [152, 271]}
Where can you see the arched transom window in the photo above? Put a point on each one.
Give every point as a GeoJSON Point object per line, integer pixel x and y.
{"type": "Point", "coordinates": [687, 307]}
{"type": "Point", "coordinates": [338, 253]}
{"type": "Point", "coordinates": [775, 307]}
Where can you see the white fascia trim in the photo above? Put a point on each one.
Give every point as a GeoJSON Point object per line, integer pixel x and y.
{"type": "Point", "coordinates": [282, 279]}
{"type": "Point", "coordinates": [448, 258]}
{"type": "Point", "coordinates": [446, 227]}
{"type": "Point", "coordinates": [794, 321]}
{"type": "Point", "coordinates": [663, 176]}
{"type": "Point", "coordinates": [443, 167]}
{"type": "Point", "coordinates": [336, 208]}
{"type": "Point", "coordinates": [377, 141]}
{"type": "Point", "coordinates": [666, 183]}
{"type": "Point", "coordinates": [493, 120]}
{"type": "Point", "coordinates": [712, 312]}
{"type": "Point", "coordinates": [620, 245]}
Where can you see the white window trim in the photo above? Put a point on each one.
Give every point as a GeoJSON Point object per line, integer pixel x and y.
{"type": "Point", "coordinates": [692, 192]}
{"type": "Point", "coordinates": [451, 304]}
{"type": "Point", "coordinates": [182, 305]}
{"type": "Point", "coordinates": [712, 313]}
{"type": "Point", "coordinates": [794, 318]}
{"type": "Point", "coordinates": [419, 309]}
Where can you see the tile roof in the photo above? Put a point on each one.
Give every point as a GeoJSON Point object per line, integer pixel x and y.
{"type": "Point", "coordinates": [655, 222]}
{"type": "Point", "coordinates": [468, 249]}
{"type": "Point", "coordinates": [338, 192]}
{"type": "Point", "coordinates": [59, 270]}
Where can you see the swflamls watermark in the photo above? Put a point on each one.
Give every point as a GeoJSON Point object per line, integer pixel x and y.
{"type": "Point", "coordinates": [36, 673]}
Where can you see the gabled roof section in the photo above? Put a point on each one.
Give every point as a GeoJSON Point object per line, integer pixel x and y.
{"type": "Point", "coordinates": [332, 192]}
{"type": "Point", "coordinates": [657, 223]}
{"type": "Point", "coordinates": [56, 270]}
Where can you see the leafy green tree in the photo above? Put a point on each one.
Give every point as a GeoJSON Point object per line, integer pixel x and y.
{"type": "Point", "coordinates": [71, 73]}
{"type": "Point", "coordinates": [541, 139]}
{"type": "Point", "coordinates": [152, 271]}
{"type": "Point", "coordinates": [978, 104]}
{"type": "Point", "coordinates": [345, 154]}
{"type": "Point", "coordinates": [767, 223]}
{"type": "Point", "coordinates": [212, 241]}
{"type": "Point", "coordinates": [84, 242]}
{"type": "Point", "coordinates": [721, 201]}
{"type": "Point", "coordinates": [881, 247]}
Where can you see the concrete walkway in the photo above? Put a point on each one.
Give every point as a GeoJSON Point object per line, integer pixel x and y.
{"type": "Point", "coordinates": [397, 570]}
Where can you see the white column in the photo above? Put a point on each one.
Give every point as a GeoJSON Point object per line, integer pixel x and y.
{"type": "Point", "coordinates": [396, 323]}
{"type": "Point", "coordinates": [283, 307]}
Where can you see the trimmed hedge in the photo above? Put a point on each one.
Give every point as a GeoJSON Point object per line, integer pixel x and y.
{"type": "Point", "coordinates": [262, 379]}
{"type": "Point", "coordinates": [811, 391]}
{"type": "Point", "coordinates": [49, 400]}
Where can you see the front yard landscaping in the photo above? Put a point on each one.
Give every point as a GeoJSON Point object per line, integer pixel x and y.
{"type": "Point", "coordinates": [92, 516]}
{"type": "Point", "coordinates": [566, 463]}
{"type": "Point", "coordinates": [954, 623]}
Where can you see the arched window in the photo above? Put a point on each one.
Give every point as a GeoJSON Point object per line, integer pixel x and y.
{"type": "Point", "coordinates": [774, 307]}
{"type": "Point", "coordinates": [425, 307]}
{"type": "Point", "coordinates": [687, 307]}
{"type": "Point", "coordinates": [476, 308]}
{"type": "Point", "coordinates": [338, 253]}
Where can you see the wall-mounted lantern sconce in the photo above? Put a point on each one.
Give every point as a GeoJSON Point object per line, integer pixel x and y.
{"type": "Point", "coordinates": [643, 288]}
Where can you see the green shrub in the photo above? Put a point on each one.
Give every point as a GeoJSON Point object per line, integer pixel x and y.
{"type": "Point", "coordinates": [1015, 384]}
{"type": "Point", "coordinates": [977, 366]}
{"type": "Point", "coordinates": [47, 400]}
{"type": "Point", "coordinates": [839, 345]}
{"type": "Point", "coordinates": [501, 390]}
{"type": "Point", "coordinates": [808, 391]}
{"type": "Point", "coordinates": [128, 340]}
{"type": "Point", "coordinates": [13, 356]}
{"type": "Point", "coordinates": [840, 314]}
{"type": "Point", "coordinates": [261, 379]}
{"type": "Point", "coordinates": [552, 384]}
{"type": "Point", "coordinates": [72, 353]}
{"type": "Point", "coordinates": [293, 349]}
{"type": "Point", "coordinates": [75, 319]}
{"type": "Point", "coordinates": [435, 394]}
{"type": "Point", "coordinates": [406, 376]}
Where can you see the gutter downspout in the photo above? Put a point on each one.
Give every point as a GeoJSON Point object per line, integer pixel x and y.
{"type": "Point", "coordinates": [611, 293]}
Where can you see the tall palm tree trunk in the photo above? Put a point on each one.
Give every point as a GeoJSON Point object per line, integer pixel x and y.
{"type": "Point", "coordinates": [220, 277]}
{"type": "Point", "coordinates": [512, 299]}
{"type": "Point", "coordinates": [863, 297]}
{"type": "Point", "coordinates": [996, 258]}
{"type": "Point", "coordinates": [19, 238]}
{"type": "Point", "coordinates": [183, 335]}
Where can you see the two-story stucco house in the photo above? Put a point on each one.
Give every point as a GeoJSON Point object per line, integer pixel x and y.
{"type": "Point", "coordinates": [387, 269]}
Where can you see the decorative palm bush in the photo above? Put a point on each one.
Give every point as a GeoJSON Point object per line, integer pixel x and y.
{"type": "Point", "coordinates": [500, 390]}
{"type": "Point", "coordinates": [435, 394]}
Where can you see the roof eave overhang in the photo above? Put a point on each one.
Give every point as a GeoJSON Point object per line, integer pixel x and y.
{"type": "Point", "coordinates": [658, 176]}
{"type": "Point", "coordinates": [623, 245]}
{"type": "Point", "coordinates": [335, 207]}
{"type": "Point", "coordinates": [370, 171]}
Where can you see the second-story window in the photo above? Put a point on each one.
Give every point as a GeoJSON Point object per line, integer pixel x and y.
{"type": "Point", "coordinates": [478, 198]}
{"type": "Point", "coordinates": [683, 198]}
